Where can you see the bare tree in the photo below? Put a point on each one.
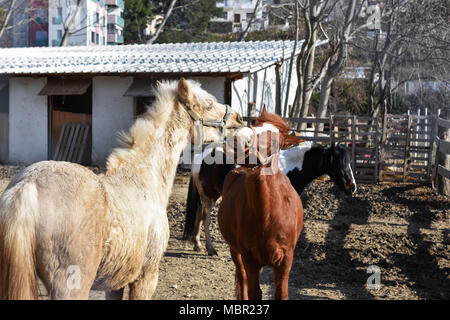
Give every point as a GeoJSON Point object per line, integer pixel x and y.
{"type": "Point", "coordinates": [340, 32]}
{"type": "Point", "coordinates": [13, 13]}
{"type": "Point", "coordinates": [313, 13]}
{"type": "Point", "coordinates": [410, 42]}
{"type": "Point", "coordinates": [7, 16]}
{"type": "Point", "coordinates": [252, 20]}
{"type": "Point", "coordinates": [70, 23]}
{"type": "Point", "coordinates": [163, 23]}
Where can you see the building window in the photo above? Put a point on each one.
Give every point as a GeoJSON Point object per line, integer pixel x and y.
{"type": "Point", "coordinates": [59, 11]}
{"type": "Point", "coordinates": [97, 41]}
{"type": "Point", "coordinates": [97, 18]}
{"type": "Point", "coordinates": [249, 15]}
{"type": "Point", "coordinates": [41, 38]}
{"type": "Point", "coordinates": [225, 15]}
{"type": "Point", "coordinates": [237, 18]}
{"type": "Point", "coordinates": [92, 37]}
{"type": "Point", "coordinates": [111, 28]}
{"type": "Point", "coordinates": [59, 34]}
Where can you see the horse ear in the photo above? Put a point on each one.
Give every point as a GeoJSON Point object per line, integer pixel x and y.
{"type": "Point", "coordinates": [183, 90]}
{"type": "Point", "coordinates": [264, 110]}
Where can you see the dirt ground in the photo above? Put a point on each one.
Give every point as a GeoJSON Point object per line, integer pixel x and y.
{"type": "Point", "coordinates": [397, 227]}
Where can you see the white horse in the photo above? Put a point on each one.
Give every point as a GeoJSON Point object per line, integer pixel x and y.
{"type": "Point", "coordinates": [76, 230]}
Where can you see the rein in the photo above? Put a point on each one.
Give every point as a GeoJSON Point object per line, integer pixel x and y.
{"type": "Point", "coordinates": [200, 123]}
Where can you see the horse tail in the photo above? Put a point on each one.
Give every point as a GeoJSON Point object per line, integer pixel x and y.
{"type": "Point", "coordinates": [192, 206]}
{"type": "Point", "coordinates": [18, 279]}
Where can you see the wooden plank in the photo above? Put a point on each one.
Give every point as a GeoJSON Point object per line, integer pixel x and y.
{"type": "Point", "coordinates": [443, 171]}
{"type": "Point", "coordinates": [60, 139]}
{"type": "Point", "coordinates": [73, 141]}
{"type": "Point", "coordinates": [443, 123]}
{"type": "Point", "coordinates": [444, 146]}
{"type": "Point", "coordinates": [64, 142]}
{"type": "Point", "coordinates": [83, 145]}
{"type": "Point", "coordinates": [68, 142]}
{"type": "Point", "coordinates": [302, 120]}
{"type": "Point", "coordinates": [408, 142]}
{"type": "Point", "coordinates": [77, 144]}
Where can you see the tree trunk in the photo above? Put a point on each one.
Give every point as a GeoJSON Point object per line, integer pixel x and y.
{"type": "Point", "coordinates": [291, 62]}
{"type": "Point", "coordinates": [278, 88]}
{"type": "Point", "coordinates": [71, 24]}
{"type": "Point", "coordinates": [249, 24]}
{"type": "Point", "coordinates": [324, 97]}
{"type": "Point", "coordinates": [307, 79]}
{"type": "Point", "coordinates": [161, 26]}
{"type": "Point", "coordinates": [7, 17]}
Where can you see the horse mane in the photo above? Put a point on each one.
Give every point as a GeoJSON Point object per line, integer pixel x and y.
{"type": "Point", "coordinates": [151, 125]}
{"type": "Point", "coordinates": [282, 126]}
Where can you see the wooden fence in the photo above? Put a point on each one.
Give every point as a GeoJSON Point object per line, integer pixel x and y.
{"type": "Point", "coordinates": [442, 148]}
{"type": "Point", "coordinates": [396, 148]}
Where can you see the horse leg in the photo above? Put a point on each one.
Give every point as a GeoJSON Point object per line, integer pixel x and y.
{"type": "Point", "coordinates": [241, 276]}
{"type": "Point", "coordinates": [207, 207]}
{"type": "Point", "coordinates": [144, 287]}
{"type": "Point", "coordinates": [253, 271]}
{"type": "Point", "coordinates": [281, 278]}
{"type": "Point", "coordinates": [197, 228]}
{"type": "Point", "coordinates": [114, 294]}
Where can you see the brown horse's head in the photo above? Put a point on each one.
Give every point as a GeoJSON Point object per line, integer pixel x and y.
{"type": "Point", "coordinates": [285, 139]}
{"type": "Point", "coordinates": [266, 136]}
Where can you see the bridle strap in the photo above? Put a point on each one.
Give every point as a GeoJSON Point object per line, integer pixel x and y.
{"type": "Point", "coordinates": [207, 123]}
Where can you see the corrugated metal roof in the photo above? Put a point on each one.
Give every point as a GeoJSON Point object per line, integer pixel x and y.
{"type": "Point", "coordinates": [215, 57]}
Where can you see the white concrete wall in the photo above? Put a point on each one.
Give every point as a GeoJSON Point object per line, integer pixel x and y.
{"type": "Point", "coordinates": [111, 112]}
{"type": "Point", "coordinates": [215, 86]}
{"type": "Point", "coordinates": [260, 87]}
{"type": "Point", "coordinates": [4, 121]}
{"type": "Point", "coordinates": [28, 121]}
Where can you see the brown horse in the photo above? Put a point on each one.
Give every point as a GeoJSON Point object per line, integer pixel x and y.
{"type": "Point", "coordinates": [260, 217]}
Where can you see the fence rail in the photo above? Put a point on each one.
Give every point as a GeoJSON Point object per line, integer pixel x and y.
{"type": "Point", "coordinates": [392, 148]}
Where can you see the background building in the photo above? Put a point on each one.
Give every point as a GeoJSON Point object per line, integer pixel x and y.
{"type": "Point", "coordinates": [239, 12]}
{"type": "Point", "coordinates": [41, 23]}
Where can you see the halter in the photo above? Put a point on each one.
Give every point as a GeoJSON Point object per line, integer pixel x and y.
{"type": "Point", "coordinates": [199, 122]}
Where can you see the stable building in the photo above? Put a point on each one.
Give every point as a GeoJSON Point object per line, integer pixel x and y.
{"type": "Point", "coordinates": [103, 89]}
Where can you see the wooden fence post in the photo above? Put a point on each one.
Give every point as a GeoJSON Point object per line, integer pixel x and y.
{"type": "Point", "coordinates": [377, 148]}
{"type": "Point", "coordinates": [331, 129]}
{"type": "Point", "coordinates": [278, 89]}
{"type": "Point", "coordinates": [407, 146]}
{"type": "Point", "coordinates": [382, 146]}
{"type": "Point", "coordinates": [443, 158]}
{"type": "Point", "coordinates": [251, 109]}
{"type": "Point", "coordinates": [354, 143]}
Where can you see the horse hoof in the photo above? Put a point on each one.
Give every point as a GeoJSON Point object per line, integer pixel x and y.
{"type": "Point", "coordinates": [212, 252]}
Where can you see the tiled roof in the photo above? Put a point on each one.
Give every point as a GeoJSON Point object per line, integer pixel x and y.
{"type": "Point", "coordinates": [216, 57]}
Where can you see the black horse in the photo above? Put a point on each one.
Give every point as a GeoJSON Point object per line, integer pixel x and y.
{"type": "Point", "coordinates": [301, 164]}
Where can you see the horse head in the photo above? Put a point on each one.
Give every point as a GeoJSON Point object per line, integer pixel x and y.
{"type": "Point", "coordinates": [339, 168]}
{"type": "Point", "coordinates": [203, 107]}
{"type": "Point", "coordinates": [263, 140]}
